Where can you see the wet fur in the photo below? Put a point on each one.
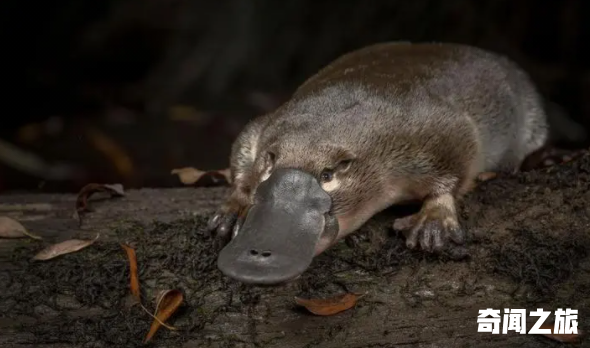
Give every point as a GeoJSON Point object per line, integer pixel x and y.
{"type": "Point", "coordinates": [418, 121]}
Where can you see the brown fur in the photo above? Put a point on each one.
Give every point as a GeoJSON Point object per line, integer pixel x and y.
{"type": "Point", "coordinates": [397, 122]}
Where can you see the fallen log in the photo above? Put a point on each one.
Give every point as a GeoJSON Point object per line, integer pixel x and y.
{"type": "Point", "coordinates": [528, 248]}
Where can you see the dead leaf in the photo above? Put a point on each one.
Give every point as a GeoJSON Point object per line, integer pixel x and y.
{"type": "Point", "coordinates": [65, 247]}
{"type": "Point", "coordinates": [10, 228]}
{"type": "Point", "coordinates": [167, 302]}
{"type": "Point", "coordinates": [329, 306]}
{"type": "Point", "coordinates": [112, 150]}
{"type": "Point", "coordinates": [190, 175]}
{"type": "Point", "coordinates": [564, 338]}
{"type": "Point", "coordinates": [116, 190]}
{"type": "Point", "coordinates": [134, 278]}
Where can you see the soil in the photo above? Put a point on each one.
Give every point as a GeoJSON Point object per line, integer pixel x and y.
{"type": "Point", "coordinates": [529, 241]}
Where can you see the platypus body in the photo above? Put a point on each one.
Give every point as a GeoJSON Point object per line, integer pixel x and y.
{"type": "Point", "coordinates": [383, 125]}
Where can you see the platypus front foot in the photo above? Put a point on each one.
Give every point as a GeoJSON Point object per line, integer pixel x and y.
{"type": "Point", "coordinates": [226, 222]}
{"type": "Point", "coordinates": [433, 226]}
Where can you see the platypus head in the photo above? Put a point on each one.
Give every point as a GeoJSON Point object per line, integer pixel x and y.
{"type": "Point", "coordinates": [304, 192]}
{"type": "Point", "coordinates": [289, 219]}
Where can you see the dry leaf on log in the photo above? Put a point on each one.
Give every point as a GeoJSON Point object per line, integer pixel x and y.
{"type": "Point", "coordinates": [167, 302]}
{"type": "Point", "coordinates": [134, 278]}
{"type": "Point", "coordinates": [116, 190]}
{"type": "Point", "coordinates": [65, 247]}
{"type": "Point", "coordinates": [329, 306]}
{"type": "Point", "coordinates": [190, 175]}
{"type": "Point", "coordinates": [10, 228]}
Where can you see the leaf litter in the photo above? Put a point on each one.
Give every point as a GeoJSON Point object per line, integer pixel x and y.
{"type": "Point", "coordinates": [62, 248]}
{"type": "Point", "coordinates": [10, 228]}
{"type": "Point", "coordinates": [167, 301]}
{"type": "Point", "coordinates": [331, 305]}
{"type": "Point", "coordinates": [116, 190]}
{"type": "Point", "coordinates": [134, 278]}
{"type": "Point", "coordinates": [190, 175]}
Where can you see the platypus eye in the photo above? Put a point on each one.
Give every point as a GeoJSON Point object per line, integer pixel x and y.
{"type": "Point", "coordinates": [327, 176]}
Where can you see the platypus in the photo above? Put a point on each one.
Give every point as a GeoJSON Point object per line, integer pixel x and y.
{"type": "Point", "coordinates": [383, 125]}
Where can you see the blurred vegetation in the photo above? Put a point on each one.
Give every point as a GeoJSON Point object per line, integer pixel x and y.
{"type": "Point", "coordinates": [125, 91]}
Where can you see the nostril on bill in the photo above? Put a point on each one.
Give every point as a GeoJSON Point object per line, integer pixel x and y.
{"type": "Point", "coordinates": [256, 253]}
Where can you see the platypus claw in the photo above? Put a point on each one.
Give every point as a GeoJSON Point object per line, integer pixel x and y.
{"type": "Point", "coordinates": [237, 226]}
{"type": "Point", "coordinates": [432, 234]}
{"type": "Point", "coordinates": [223, 226]}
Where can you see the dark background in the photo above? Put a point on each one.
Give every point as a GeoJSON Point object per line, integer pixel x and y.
{"type": "Point", "coordinates": [125, 91]}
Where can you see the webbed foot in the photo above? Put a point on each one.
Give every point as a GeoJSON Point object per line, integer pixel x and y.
{"type": "Point", "coordinates": [433, 227]}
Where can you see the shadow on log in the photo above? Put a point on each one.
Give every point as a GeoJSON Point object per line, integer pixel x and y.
{"type": "Point", "coordinates": [530, 237]}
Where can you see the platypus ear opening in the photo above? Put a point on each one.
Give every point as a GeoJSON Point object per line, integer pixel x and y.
{"type": "Point", "coordinates": [344, 165]}
{"type": "Point", "coordinates": [271, 157]}
{"type": "Point", "coordinates": [344, 160]}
